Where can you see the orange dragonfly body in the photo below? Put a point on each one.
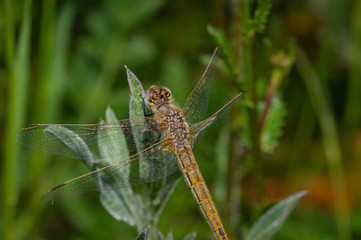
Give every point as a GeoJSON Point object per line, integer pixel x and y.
{"type": "Point", "coordinates": [170, 130]}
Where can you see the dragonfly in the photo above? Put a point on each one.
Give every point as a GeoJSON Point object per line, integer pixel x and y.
{"type": "Point", "coordinates": [167, 129]}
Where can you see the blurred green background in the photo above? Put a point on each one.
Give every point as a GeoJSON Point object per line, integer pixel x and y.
{"type": "Point", "coordinates": [63, 62]}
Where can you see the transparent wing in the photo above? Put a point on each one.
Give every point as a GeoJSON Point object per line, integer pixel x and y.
{"type": "Point", "coordinates": [198, 129]}
{"type": "Point", "coordinates": [149, 165]}
{"type": "Point", "coordinates": [60, 139]}
{"type": "Point", "coordinates": [196, 104]}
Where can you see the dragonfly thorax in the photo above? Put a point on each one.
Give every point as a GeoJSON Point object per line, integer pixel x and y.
{"type": "Point", "coordinates": [157, 96]}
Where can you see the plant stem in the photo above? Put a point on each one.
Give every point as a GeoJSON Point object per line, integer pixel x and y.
{"type": "Point", "coordinates": [10, 151]}
{"type": "Point", "coordinates": [330, 143]}
{"type": "Point", "coordinates": [17, 84]}
{"type": "Point", "coordinates": [269, 97]}
{"type": "Point", "coordinates": [352, 113]}
{"type": "Point", "coordinates": [253, 116]}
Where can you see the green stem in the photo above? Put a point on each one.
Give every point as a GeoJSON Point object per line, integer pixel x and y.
{"type": "Point", "coordinates": [17, 84]}
{"type": "Point", "coordinates": [330, 143]}
{"type": "Point", "coordinates": [253, 117]}
{"type": "Point", "coordinates": [352, 113]}
{"type": "Point", "coordinates": [9, 156]}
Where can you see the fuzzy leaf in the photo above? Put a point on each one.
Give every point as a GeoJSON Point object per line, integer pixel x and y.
{"type": "Point", "coordinates": [274, 218]}
{"type": "Point", "coordinates": [162, 191]}
{"type": "Point", "coordinates": [273, 126]}
{"type": "Point", "coordinates": [74, 142]}
{"type": "Point", "coordinates": [191, 236]}
{"type": "Point", "coordinates": [122, 203]}
{"type": "Point", "coordinates": [258, 23]}
{"type": "Point", "coordinates": [143, 235]}
{"type": "Point", "coordinates": [220, 38]}
{"type": "Point", "coordinates": [136, 107]}
{"type": "Point", "coordinates": [159, 192]}
{"type": "Point", "coordinates": [116, 206]}
{"type": "Point", "coordinates": [136, 100]}
{"type": "Point", "coordinates": [169, 236]}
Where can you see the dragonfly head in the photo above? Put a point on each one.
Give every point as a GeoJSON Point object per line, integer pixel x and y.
{"type": "Point", "coordinates": [156, 96]}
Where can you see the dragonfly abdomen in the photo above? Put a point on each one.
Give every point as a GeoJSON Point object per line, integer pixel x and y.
{"type": "Point", "coordinates": [198, 187]}
{"type": "Point", "coordinates": [178, 132]}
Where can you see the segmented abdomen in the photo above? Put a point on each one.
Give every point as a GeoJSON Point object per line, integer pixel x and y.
{"type": "Point", "coordinates": [199, 189]}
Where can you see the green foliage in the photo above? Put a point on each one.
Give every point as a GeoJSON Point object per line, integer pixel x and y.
{"type": "Point", "coordinates": [157, 193]}
{"type": "Point", "coordinates": [268, 224]}
{"type": "Point", "coordinates": [122, 203]}
{"type": "Point", "coordinates": [274, 124]}
{"type": "Point", "coordinates": [111, 42]}
{"type": "Point", "coordinates": [17, 58]}
{"type": "Point", "coordinates": [191, 236]}
{"type": "Point", "coordinates": [61, 62]}
{"type": "Point", "coordinates": [169, 236]}
{"type": "Point", "coordinates": [220, 38]}
{"type": "Point", "coordinates": [259, 20]}
{"type": "Point", "coordinates": [143, 235]}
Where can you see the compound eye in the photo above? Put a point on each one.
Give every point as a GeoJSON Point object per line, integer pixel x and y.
{"type": "Point", "coordinates": [148, 98]}
{"type": "Point", "coordinates": [167, 92]}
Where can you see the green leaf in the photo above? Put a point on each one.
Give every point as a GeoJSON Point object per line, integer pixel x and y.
{"type": "Point", "coordinates": [274, 218]}
{"type": "Point", "coordinates": [169, 236]}
{"type": "Point", "coordinates": [136, 109]}
{"type": "Point", "coordinates": [122, 203]}
{"type": "Point", "coordinates": [17, 72]}
{"type": "Point", "coordinates": [259, 21]}
{"type": "Point", "coordinates": [74, 142]}
{"type": "Point", "coordinates": [157, 193]}
{"type": "Point", "coordinates": [220, 38]}
{"type": "Point", "coordinates": [137, 91]}
{"type": "Point", "coordinates": [163, 191]}
{"type": "Point", "coordinates": [273, 126]}
{"type": "Point", "coordinates": [116, 142]}
{"type": "Point", "coordinates": [57, 73]}
{"type": "Point", "coordinates": [143, 235]}
{"type": "Point", "coordinates": [115, 205]}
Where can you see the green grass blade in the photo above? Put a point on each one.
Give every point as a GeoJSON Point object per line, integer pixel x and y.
{"type": "Point", "coordinates": [57, 75]}
{"type": "Point", "coordinates": [32, 211]}
{"type": "Point", "coordinates": [352, 113]}
{"type": "Point", "coordinates": [18, 77]}
{"type": "Point", "coordinates": [331, 146]}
